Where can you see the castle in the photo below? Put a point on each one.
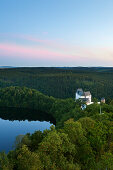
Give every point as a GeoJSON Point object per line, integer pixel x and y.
{"type": "Point", "coordinates": [83, 96]}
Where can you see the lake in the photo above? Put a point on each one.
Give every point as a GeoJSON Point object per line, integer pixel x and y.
{"type": "Point", "coordinates": [10, 128]}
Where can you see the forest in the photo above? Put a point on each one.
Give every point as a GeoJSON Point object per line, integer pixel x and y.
{"type": "Point", "coordinates": [81, 139]}
{"type": "Point", "coordinates": [61, 82]}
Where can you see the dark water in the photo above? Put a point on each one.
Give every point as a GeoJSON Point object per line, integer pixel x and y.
{"type": "Point", "coordinates": [14, 122]}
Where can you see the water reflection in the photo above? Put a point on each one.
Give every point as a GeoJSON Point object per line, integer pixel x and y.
{"type": "Point", "coordinates": [24, 114]}
{"type": "Point", "coordinates": [14, 122]}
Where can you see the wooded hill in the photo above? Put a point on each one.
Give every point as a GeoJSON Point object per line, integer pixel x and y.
{"type": "Point", "coordinates": [61, 82]}
{"type": "Point", "coordinates": [81, 140]}
{"type": "Point", "coordinates": [23, 97]}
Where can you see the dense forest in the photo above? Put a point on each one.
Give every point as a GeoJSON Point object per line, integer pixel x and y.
{"type": "Point", "coordinates": [61, 82]}
{"type": "Point", "coordinates": [80, 139]}
{"type": "Point", "coordinates": [26, 98]}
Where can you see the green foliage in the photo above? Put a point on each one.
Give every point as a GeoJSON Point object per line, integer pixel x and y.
{"type": "Point", "coordinates": [18, 141]}
{"type": "Point", "coordinates": [61, 82]}
{"type": "Point", "coordinates": [106, 161]}
{"type": "Point", "coordinates": [27, 160]}
{"type": "Point", "coordinates": [22, 97]}
{"type": "Point", "coordinates": [4, 162]}
{"type": "Point", "coordinates": [25, 98]}
{"type": "Point", "coordinates": [58, 148]}
{"type": "Point", "coordinates": [83, 144]}
{"type": "Point", "coordinates": [81, 140]}
{"type": "Point", "coordinates": [61, 107]}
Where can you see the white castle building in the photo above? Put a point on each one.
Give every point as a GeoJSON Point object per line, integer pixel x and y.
{"type": "Point", "coordinates": [83, 96]}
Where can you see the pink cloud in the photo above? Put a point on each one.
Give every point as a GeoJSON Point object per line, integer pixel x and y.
{"type": "Point", "coordinates": [29, 52]}
{"type": "Point", "coordinates": [54, 50]}
{"type": "Point", "coordinates": [27, 37]}
{"type": "Point", "coordinates": [36, 53]}
{"type": "Point", "coordinates": [55, 44]}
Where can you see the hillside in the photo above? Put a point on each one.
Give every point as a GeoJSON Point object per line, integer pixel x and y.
{"type": "Point", "coordinates": [23, 97]}
{"type": "Point", "coordinates": [81, 140]}
{"type": "Point", "coordinates": [61, 82]}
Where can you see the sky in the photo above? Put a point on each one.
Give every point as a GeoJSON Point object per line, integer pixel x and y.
{"type": "Point", "coordinates": [56, 33]}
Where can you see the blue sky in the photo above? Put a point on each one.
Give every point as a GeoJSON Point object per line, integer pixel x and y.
{"type": "Point", "coordinates": [56, 32]}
